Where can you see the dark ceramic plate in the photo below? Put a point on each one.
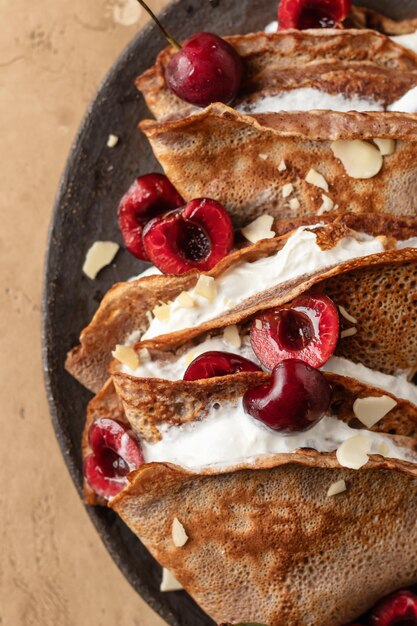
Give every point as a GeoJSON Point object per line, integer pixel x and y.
{"type": "Point", "coordinates": [94, 180]}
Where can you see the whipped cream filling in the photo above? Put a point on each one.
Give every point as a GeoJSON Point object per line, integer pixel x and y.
{"type": "Point", "coordinates": [407, 41]}
{"type": "Point", "coordinates": [228, 435]}
{"type": "Point", "coordinates": [300, 255]}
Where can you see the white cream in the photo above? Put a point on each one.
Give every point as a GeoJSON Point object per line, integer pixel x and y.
{"type": "Point", "coordinates": [407, 41]}
{"type": "Point", "coordinates": [272, 27]}
{"type": "Point", "coordinates": [229, 435]}
{"type": "Point", "coordinates": [300, 255]}
{"type": "Point", "coordinates": [150, 271]}
{"type": "Point", "coordinates": [398, 385]}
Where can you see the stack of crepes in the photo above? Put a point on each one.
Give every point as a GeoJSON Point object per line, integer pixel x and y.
{"type": "Point", "coordinates": [259, 527]}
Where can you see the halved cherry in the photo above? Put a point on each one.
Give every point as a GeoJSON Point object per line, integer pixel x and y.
{"type": "Point", "coordinates": [115, 453]}
{"type": "Point", "coordinates": [307, 330]}
{"type": "Point", "coordinates": [398, 608]}
{"type": "Point", "coordinates": [303, 14]}
{"type": "Point", "coordinates": [294, 401]}
{"type": "Point", "coordinates": [150, 195]}
{"type": "Point", "coordinates": [197, 236]}
{"type": "Point", "coordinates": [216, 363]}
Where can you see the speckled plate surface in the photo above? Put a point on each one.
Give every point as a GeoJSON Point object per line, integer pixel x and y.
{"type": "Point", "coordinates": [94, 180]}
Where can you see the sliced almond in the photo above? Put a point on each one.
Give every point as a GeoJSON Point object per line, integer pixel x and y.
{"type": "Point", "coordinates": [335, 488]}
{"type": "Point", "coordinates": [348, 332]}
{"type": "Point", "coordinates": [326, 205]}
{"type": "Point", "coordinates": [260, 228]}
{"type": "Point", "coordinates": [282, 166]}
{"type": "Point", "coordinates": [169, 582]}
{"type": "Point", "coordinates": [162, 312]}
{"type": "Point", "coordinates": [231, 336]}
{"type": "Point", "coordinates": [185, 300]}
{"type": "Point", "coordinates": [372, 409]}
{"type": "Point", "coordinates": [258, 324]}
{"type": "Point", "coordinates": [144, 354]}
{"type": "Point", "coordinates": [386, 146]}
{"type": "Point", "coordinates": [384, 449]}
{"type": "Point", "coordinates": [127, 356]}
{"type": "Point", "coordinates": [179, 536]}
{"type": "Point", "coordinates": [99, 255]}
{"type": "Point", "coordinates": [264, 157]}
{"type": "Point", "coordinates": [287, 190]}
{"type": "Point", "coordinates": [112, 141]}
{"type": "Point", "coordinates": [359, 158]}
{"type": "Point", "coordinates": [383, 239]}
{"type": "Point", "coordinates": [294, 204]}
{"type": "Point", "coordinates": [206, 287]}
{"type": "Point", "coordinates": [346, 315]}
{"type": "Point", "coordinates": [189, 357]}
{"type": "Point", "coordinates": [353, 452]}
{"type": "Point", "coordinates": [315, 178]}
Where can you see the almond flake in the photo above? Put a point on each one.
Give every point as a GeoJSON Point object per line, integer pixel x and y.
{"type": "Point", "coordinates": [287, 190]}
{"type": "Point", "coordinates": [335, 488]}
{"type": "Point", "coordinates": [386, 146]}
{"type": "Point", "coordinates": [360, 159]}
{"type": "Point", "coordinates": [326, 206]}
{"type": "Point", "coordinates": [169, 582]}
{"type": "Point", "coordinates": [162, 312]}
{"type": "Point", "coordinates": [372, 409]}
{"type": "Point", "coordinates": [189, 357]}
{"type": "Point", "coordinates": [261, 228]}
{"type": "Point", "coordinates": [263, 156]}
{"type": "Point", "coordinates": [383, 239]}
{"type": "Point", "coordinates": [258, 324]}
{"type": "Point", "coordinates": [294, 204]}
{"type": "Point", "coordinates": [282, 166]}
{"type": "Point", "coordinates": [346, 315]}
{"type": "Point", "coordinates": [112, 141]}
{"type": "Point", "coordinates": [179, 536]}
{"type": "Point", "coordinates": [384, 449]}
{"type": "Point", "coordinates": [348, 332]}
{"type": "Point", "coordinates": [144, 354]}
{"type": "Point", "coordinates": [314, 178]}
{"type": "Point", "coordinates": [127, 356]}
{"type": "Point", "coordinates": [99, 255]}
{"type": "Point", "coordinates": [185, 300]}
{"type": "Point", "coordinates": [231, 336]}
{"type": "Point", "coordinates": [206, 287]}
{"type": "Point", "coordinates": [353, 452]}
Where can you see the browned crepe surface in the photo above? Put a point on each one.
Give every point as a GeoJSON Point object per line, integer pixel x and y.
{"type": "Point", "coordinates": [275, 62]}
{"type": "Point", "coordinates": [362, 17]}
{"type": "Point", "coordinates": [124, 308]}
{"type": "Point", "coordinates": [268, 546]}
{"type": "Point", "coordinates": [234, 159]}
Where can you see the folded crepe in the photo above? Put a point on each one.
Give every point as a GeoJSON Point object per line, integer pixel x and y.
{"type": "Point", "coordinates": [260, 163]}
{"type": "Point", "coordinates": [363, 17]}
{"type": "Point", "coordinates": [321, 59]}
{"type": "Point", "coordinates": [266, 545]}
{"type": "Point", "coordinates": [124, 313]}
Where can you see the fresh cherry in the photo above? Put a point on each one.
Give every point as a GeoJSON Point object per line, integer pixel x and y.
{"type": "Point", "coordinates": [307, 330]}
{"type": "Point", "coordinates": [149, 196]}
{"type": "Point", "coordinates": [115, 453]}
{"type": "Point", "coordinates": [398, 608]}
{"type": "Point", "coordinates": [303, 14]}
{"type": "Point", "coordinates": [216, 363]}
{"type": "Point", "coordinates": [206, 69]}
{"type": "Point", "coordinates": [295, 400]}
{"type": "Point", "coordinates": [197, 236]}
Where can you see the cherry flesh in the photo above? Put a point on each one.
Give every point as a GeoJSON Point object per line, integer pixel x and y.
{"type": "Point", "coordinates": [307, 330]}
{"type": "Point", "coordinates": [197, 236]}
{"type": "Point", "coordinates": [115, 453]}
{"type": "Point", "coordinates": [206, 69]}
{"type": "Point", "coordinates": [150, 195]}
{"type": "Point", "coordinates": [303, 14]}
{"type": "Point", "coordinates": [398, 608]}
{"type": "Point", "coordinates": [216, 363]}
{"type": "Point", "coordinates": [294, 401]}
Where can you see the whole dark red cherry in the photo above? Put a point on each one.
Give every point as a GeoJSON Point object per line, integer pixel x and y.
{"type": "Point", "coordinates": [303, 14]}
{"type": "Point", "coordinates": [206, 69]}
{"type": "Point", "coordinates": [149, 196]}
{"type": "Point", "coordinates": [398, 608]}
{"type": "Point", "coordinates": [216, 363]}
{"type": "Point", "coordinates": [196, 236]}
{"type": "Point", "coordinates": [115, 453]}
{"type": "Point", "coordinates": [296, 399]}
{"type": "Point", "coordinates": [307, 330]}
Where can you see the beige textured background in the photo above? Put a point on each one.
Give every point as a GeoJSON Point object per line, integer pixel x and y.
{"type": "Point", "coordinates": [54, 570]}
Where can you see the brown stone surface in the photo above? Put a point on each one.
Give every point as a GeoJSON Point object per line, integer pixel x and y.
{"type": "Point", "coordinates": [54, 570]}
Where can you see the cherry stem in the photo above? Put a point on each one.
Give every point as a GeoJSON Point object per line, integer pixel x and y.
{"type": "Point", "coordinates": [166, 34]}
